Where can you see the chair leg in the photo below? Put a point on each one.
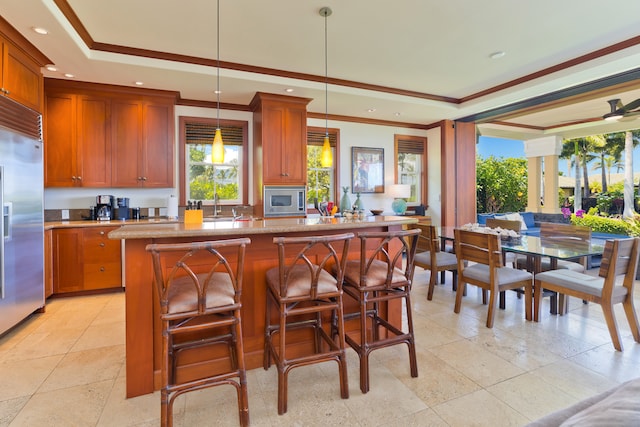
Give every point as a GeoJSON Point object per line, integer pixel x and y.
{"type": "Point", "coordinates": [243, 394]}
{"type": "Point", "coordinates": [563, 303]}
{"type": "Point", "coordinates": [283, 369]}
{"type": "Point", "coordinates": [528, 301]}
{"type": "Point", "coordinates": [363, 351]}
{"type": "Point", "coordinates": [461, 286]}
{"type": "Point", "coordinates": [413, 360]}
{"type": "Point", "coordinates": [266, 357]}
{"type": "Point", "coordinates": [632, 317]}
{"type": "Point", "coordinates": [537, 290]}
{"type": "Point", "coordinates": [492, 308]}
{"type": "Point", "coordinates": [342, 359]}
{"type": "Point", "coordinates": [432, 284]}
{"type": "Point", "coordinates": [442, 278]}
{"type": "Point", "coordinates": [612, 324]}
{"type": "Point", "coordinates": [502, 303]}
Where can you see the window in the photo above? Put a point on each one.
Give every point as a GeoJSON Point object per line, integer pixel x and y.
{"type": "Point", "coordinates": [321, 181]}
{"type": "Point", "coordinates": [411, 166]}
{"type": "Point", "coordinates": [199, 178]}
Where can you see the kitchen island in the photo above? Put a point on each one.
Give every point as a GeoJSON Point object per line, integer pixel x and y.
{"type": "Point", "coordinates": [143, 339]}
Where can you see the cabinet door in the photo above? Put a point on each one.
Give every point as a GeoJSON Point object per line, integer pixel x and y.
{"type": "Point", "coordinates": [157, 158]}
{"type": "Point", "coordinates": [21, 77]}
{"type": "Point", "coordinates": [126, 137]}
{"type": "Point", "coordinates": [94, 144]}
{"type": "Point", "coordinates": [60, 166]}
{"type": "Point", "coordinates": [284, 145]}
{"type": "Point", "coordinates": [48, 263]}
{"type": "Point", "coordinates": [68, 273]}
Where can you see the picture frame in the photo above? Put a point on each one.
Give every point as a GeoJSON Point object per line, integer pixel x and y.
{"type": "Point", "coordinates": [367, 170]}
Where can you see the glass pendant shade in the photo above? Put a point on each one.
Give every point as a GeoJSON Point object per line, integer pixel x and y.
{"type": "Point", "coordinates": [326, 159]}
{"type": "Point", "coordinates": [217, 151]}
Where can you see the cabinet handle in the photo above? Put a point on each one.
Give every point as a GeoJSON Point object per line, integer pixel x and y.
{"type": "Point", "coordinates": [79, 178]}
{"type": "Point", "coordinates": [144, 178]}
{"type": "Point", "coordinates": [102, 244]}
{"type": "Point", "coordinates": [7, 92]}
{"type": "Point", "coordinates": [101, 269]}
{"type": "Point", "coordinates": [73, 178]}
{"type": "Point", "coordinates": [102, 233]}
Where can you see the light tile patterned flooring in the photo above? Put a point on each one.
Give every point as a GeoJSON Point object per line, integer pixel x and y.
{"type": "Point", "coordinates": [66, 368]}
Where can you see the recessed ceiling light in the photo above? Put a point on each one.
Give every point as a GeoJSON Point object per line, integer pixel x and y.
{"type": "Point", "coordinates": [139, 83]}
{"type": "Point", "coordinates": [397, 113]}
{"type": "Point", "coordinates": [51, 68]}
{"type": "Point", "coordinates": [497, 55]}
{"type": "Point", "coordinates": [288, 90]}
{"type": "Point", "coordinates": [69, 75]}
{"type": "Point", "coordinates": [217, 91]}
{"type": "Point", "coordinates": [40, 30]}
{"type": "Point", "coordinates": [371, 110]}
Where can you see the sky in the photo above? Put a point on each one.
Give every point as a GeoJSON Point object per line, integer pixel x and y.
{"type": "Point", "coordinates": [500, 147]}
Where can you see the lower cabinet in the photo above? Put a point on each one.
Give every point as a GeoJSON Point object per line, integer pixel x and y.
{"type": "Point", "coordinates": [85, 259]}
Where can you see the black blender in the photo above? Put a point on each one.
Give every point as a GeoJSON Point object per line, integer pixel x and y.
{"type": "Point", "coordinates": [123, 208]}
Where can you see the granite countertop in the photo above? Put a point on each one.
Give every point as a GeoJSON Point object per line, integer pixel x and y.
{"type": "Point", "coordinates": [248, 227]}
{"type": "Point", "coordinates": [48, 225]}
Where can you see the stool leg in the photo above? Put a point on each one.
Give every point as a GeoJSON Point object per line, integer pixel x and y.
{"type": "Point", "coordinates": [266, 357]}
{"type": "Point", "coordinates": [283, 368]}
{"type": "Point", "coordinates": [413, 360]}
{"type": "Point", "coordinates": [243, 395]}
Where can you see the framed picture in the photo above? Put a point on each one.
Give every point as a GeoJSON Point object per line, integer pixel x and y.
{"type": "Point", "coordinates": [367, 170]}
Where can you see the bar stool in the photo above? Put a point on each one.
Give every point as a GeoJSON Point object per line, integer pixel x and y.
{"type": "Point", "coordinates": [302, 289]}
{"type": "Point", "coordinates": [377, 278]}
{"type": "Point", "coordinates": [199, 286]}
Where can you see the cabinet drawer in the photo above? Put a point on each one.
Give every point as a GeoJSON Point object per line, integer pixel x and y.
{"type": "Point", "coordinates": [102, 275]}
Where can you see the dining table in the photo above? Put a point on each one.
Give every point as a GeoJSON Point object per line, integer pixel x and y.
{"type": "Point", "coordinates": [535, 248]}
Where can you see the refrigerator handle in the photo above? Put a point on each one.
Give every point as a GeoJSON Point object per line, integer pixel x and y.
{"type": "Point", "coordinates": [3, 224]}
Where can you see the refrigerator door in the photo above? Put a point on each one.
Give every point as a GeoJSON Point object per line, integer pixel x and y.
{"type": "Point", "coordinates": [22, 247]}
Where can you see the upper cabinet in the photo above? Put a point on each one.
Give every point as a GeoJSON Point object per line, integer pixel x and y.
{"type": "Point", "coordinates": [143, 144]}
{"type": "Point", "coordinates": [21, 77]}
{"type": "Point", "coordinates": [280, 139]}
{"type": "Point", "coordinates": [119, 138]}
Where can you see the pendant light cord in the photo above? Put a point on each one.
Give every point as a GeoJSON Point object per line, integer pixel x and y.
{"type": "Point", "coordinates": [218, 65]}
{"type": "Point", "coordinates": [326, 80]}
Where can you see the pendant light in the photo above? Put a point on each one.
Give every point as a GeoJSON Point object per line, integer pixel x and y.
{"type": "Point", "coordinates": [326, 158]}
{"type": "Point", "coordinates": [217, 150]}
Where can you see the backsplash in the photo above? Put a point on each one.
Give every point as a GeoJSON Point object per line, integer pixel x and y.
{"type": "Point", "coordinates": [52, 215]}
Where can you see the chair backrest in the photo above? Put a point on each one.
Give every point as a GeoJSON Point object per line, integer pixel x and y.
{"type": "Point", "coordinates": [313, 257]}
{"type": "Point", "coordinates": [620, 256]}
{"type": "Point", "coordinates": [562, 231]}
{"type": "Point", "coordinates": [505, 224]}
{"type": "Point", "coordinates": [382, 254]}
{"type": "Point", "coordinates": [480, 248]}
{"type": "Point", "coordinates": [428, 239]}
{"type": "Point", "coordinates": [200, 265]}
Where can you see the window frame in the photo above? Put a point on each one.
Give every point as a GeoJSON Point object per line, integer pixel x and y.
{"type": "Point", "coordinates": [417, 142]}
{"type": "Point", "coordinates": [182, 154]}
{"type": "Point", "coordinates": [334, 140]}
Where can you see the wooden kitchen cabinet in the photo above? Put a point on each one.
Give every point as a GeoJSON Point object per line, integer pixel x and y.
{"type": "Point", "coordinates": [78, 145]}
{"type": "Point", "coordinates": [84, 259]}
{"type": "Point", "coordinates": [143, 153]}
{"type": "Point", "coordinates": [21, 79]}
{"type": "Point", "coordinates": [48, 263]}
{"type": "Point", "coordinates": [280, 136]}
{"type": "Point", "coordinates": [108, 136]}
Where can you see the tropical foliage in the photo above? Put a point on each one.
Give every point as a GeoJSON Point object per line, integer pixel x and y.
{"type": "Point", "coordinates": [501, 184]}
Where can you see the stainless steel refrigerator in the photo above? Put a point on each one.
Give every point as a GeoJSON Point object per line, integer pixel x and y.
{"type": "Point", "coordinates": [22, 225]}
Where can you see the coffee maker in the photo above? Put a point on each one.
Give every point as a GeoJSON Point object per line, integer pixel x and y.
{"type": "Point", "coordinates": [123, 207]}
{"type": "Point", "coordinates": [104, 207]}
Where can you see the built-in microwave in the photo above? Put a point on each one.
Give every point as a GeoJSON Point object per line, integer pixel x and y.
{"type": "Point", "coordinates": [285, 200]}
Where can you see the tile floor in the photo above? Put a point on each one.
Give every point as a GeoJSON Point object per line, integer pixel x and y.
{"type": "Point", "coordinates": [66, 368]}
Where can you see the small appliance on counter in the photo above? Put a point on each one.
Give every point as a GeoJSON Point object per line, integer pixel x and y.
{"type": "Point", "coordinates": [105, 207]}
{"type": "Point", "coordinates": [123, 208]}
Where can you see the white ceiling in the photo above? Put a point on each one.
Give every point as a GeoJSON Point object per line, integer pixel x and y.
{"type": "Point", "coordinates": [438, 52]}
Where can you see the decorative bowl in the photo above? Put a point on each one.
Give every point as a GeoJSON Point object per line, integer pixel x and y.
{"type": "Point", "coordinates": [376, 211]}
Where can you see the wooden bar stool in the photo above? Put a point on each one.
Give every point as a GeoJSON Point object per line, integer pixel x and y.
{"type": "Point", "coordinates": [377, 278]}
{"type": "Point", "coordinates": [302, 289]}
{"type": "Point", "coordinates": [199, 286]}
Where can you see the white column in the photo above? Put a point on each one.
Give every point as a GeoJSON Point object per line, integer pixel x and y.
{"type": "Point", "coordinates": [549, 148]}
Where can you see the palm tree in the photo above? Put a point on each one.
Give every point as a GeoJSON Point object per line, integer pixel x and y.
{"type": "Point", "coordinates": [605, 164]}
{"type": "Point", "coordinates": [583, 149]}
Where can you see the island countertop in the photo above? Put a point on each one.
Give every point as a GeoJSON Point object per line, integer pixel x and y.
{"type": "Point", "coordinates": [249, 227]}
{"type": "Point", "coordinates": [143, 329]}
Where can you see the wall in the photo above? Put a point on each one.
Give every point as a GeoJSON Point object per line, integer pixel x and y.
{"type": "Point", "coordinates": [351, 134]}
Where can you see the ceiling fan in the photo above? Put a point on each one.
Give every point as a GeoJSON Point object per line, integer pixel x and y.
{"type": "Point", "coordinates": [618, 110]}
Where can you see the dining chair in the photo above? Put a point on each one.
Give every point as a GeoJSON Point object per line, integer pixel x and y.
{"type": "Point", "coordinates": [432, 258]}
{"type": "Point", "coordinates": [620, 257]}
{"type": "Point", "coordinates": [567, 234]}
{"type": "Point", "coordinates": [507, 257]}
{"type": "Point", "coordinates": [382, 274]}
{"type": "Point", "coordinates": [480, 264]}
{"type": "Point", "coordinates": [302, 289]}
{"type": "Point", "coordinates": [199, 290]}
